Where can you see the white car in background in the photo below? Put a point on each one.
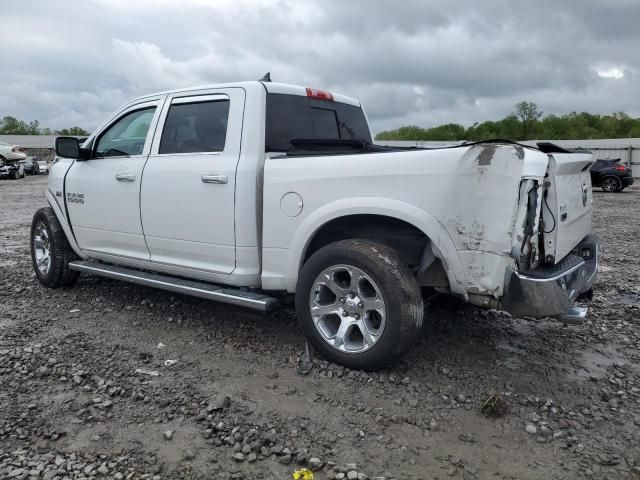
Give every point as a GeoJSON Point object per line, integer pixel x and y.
{"type": "Point", "coordinates": [43, 167]}
{"type": "Point", "coordinates": [11, 153]}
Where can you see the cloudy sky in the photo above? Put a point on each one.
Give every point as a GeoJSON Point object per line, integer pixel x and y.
{"type": "Point", "coordinates": [424, 62]}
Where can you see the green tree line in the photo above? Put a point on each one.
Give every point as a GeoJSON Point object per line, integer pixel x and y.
{"type": "Point", "coordinates": [524, 123]}
{"type": "Point", "coordinates": [13, 126]}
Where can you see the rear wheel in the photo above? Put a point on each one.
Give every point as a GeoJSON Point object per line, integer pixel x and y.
{"type": "Point", "coordinates": [610, 184]}
{"type": "Point", "coordinates": [359, 304]}
{"type": "Point", "coordinates": [50, 251]}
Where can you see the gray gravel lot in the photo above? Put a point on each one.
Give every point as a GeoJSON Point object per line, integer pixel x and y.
{"type": "Point", "coordinates": [75, 401]}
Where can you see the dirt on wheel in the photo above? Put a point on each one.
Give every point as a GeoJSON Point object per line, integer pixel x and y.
{"type": "Point", "coordinates": [112, 380]}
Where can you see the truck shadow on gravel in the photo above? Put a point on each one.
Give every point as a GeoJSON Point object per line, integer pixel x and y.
{"type": "Point", "coordinates": [454, 335]}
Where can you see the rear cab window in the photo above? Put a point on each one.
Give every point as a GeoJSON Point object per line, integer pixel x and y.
{"type": "Point", "coordinates": [290, 117]}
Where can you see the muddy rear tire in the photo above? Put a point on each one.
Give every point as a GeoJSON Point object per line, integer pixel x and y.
{"type": "Point", "coordinates": [359, 304]}
{"type": "Point", "coordinates": [50, 251]}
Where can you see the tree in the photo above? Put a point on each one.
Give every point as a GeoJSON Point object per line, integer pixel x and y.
{"type": "Point", "coordinates": [12, 126]}
{"type": "Point", "coordinates": [73, 131]}
{"type": "Point", "coordinates": [527, 112]}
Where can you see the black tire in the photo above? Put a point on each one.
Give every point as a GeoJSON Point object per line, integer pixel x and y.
{"type": "Point", "coordinates": [611, 184]}
{"type": "Point", "coordinates": [398, 287]}
{"type": "Point", "coordinates": [61, 253]}
{"type": "Point", "coordinates": [16, 175]}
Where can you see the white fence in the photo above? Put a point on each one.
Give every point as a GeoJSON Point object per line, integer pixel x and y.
{"type": "Point", "coordinates": [626, 149]}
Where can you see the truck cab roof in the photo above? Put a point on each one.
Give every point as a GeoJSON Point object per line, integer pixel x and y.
{"type": "Point", "coordinates": [270, 87]}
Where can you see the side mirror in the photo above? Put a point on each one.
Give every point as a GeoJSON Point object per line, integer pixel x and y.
{"type": "Point", "coordinates": [69, 147]}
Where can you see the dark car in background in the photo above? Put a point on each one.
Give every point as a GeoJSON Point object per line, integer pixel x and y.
{"type": "Point", "coordinates": [31, 166]}
{"type": "Point", "coordinates": [610, 175]}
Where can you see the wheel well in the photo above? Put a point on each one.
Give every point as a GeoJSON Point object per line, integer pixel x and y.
{"type": "Point", "coordinates": [413, 246]}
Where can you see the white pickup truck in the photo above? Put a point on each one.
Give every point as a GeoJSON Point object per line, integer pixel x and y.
{"type": "Point", "coordinates": [236, 192]}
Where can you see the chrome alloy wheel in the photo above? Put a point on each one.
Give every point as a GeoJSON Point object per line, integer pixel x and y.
{"type": "Point", "coordinates": [347, 308]}
{"type": "Point", "coordinates": [42, 248]}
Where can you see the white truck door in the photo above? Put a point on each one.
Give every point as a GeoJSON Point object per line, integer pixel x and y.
{"type": "Point", "coordinates": [103, 193]}
{"type": "Point", "coordinates": [188, 186]}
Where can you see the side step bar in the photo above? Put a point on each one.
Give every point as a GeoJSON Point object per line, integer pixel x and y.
{"type": "Point", "coordinates": [241, 298]}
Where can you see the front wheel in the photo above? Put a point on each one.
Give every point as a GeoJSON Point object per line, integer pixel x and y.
{"type": "Point", "coordinates": [50, 251]}
{"type": "Point", "coordinates": [359, 304]}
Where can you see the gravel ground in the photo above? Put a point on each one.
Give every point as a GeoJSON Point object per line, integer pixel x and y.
{"type": "Point", "coordinates": [77, 399]}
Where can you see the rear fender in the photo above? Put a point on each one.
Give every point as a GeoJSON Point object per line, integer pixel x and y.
{"type": "Point", "coordinates": [442, 244]}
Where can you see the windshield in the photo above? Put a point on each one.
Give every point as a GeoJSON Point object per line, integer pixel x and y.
{"type": "Point", "coordinates": [291, 117]}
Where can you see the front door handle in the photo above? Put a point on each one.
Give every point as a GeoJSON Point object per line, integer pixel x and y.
{"type": "Point", "coordinates": [214, 179]}
{"type": "Point", "coordinates": [125, 177]}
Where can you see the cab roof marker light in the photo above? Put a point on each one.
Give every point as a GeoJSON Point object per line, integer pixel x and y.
{"type": "Point", "coordinates": [319, 94]}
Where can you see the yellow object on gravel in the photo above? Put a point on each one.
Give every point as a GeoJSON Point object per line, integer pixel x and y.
{"type": "Point", "coordinates": [303, 474]}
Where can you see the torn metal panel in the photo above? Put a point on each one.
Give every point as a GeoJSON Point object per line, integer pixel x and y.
{"type": "Point", "coordinates": [525, 234]}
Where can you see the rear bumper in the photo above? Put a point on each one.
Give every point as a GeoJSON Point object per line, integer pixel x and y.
{"type": "Point", "coordinates": [550, 291]}
{"type": "Point", "coordinates": [626, 181]}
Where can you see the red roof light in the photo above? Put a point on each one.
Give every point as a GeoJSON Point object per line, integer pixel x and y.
{"type": "Point", "coordinates": [319, 94]}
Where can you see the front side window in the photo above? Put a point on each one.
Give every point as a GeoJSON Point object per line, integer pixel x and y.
{"type": "Point", "coordinates": [127, 135]}
{"type": "Point", "coordinates": [195, 127]}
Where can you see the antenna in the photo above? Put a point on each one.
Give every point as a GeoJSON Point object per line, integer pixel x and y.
{"type": "Point", "coordinates": [266, 78]}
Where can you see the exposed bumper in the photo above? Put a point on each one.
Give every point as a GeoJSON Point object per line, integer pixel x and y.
{"type": "Point", "coordinates": [550, 291]}
{"type": "Point", "coordinates": [626, 181]}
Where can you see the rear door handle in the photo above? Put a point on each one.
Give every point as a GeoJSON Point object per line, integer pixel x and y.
{"type": "Point", "coordinates": [215, 179]}
{"type": "Point", "coordinates": [125, 177]}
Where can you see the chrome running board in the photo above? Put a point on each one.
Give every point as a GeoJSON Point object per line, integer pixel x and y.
{"type": "Point", "coordinates": [224, 294]}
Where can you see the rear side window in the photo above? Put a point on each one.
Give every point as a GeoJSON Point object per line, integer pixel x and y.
{"type": "Point", "coordinates": [292, 117]}
{"type": "Point", "coordinates": [195, 127]}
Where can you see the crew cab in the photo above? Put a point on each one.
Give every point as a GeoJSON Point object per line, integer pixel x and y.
{"type": "Point", "coordinates": [241, 192]}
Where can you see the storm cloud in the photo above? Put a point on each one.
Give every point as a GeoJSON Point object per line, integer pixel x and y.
{"type": "Point", "coordinates": [423, 62]}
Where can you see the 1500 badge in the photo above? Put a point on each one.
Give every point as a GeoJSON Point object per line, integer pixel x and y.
{"type": "Point", "coordinates": [75, 197]}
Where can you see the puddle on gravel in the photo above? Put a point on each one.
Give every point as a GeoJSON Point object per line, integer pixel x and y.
{"type": "Point", "coordinates": [5, 322]}
{"type": "Point", "coordinates": [628, 298]}
{"type": "Point", "coordinates": [594, 363]}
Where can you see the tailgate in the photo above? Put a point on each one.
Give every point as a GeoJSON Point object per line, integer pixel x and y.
{"type": "Point", "coordinates": [566, 212]}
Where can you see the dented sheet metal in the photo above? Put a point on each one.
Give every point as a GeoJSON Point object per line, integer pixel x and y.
{"type": "Point", "coordinates": [497, 215]}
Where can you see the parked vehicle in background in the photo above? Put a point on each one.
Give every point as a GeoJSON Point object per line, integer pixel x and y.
{"type": "Point", "coordinates": [43, 167]}
{"type": "Point", "coordinates": [234, 191]}
{"type": "Point", "coordinates": [11, 152]}
{"type": "Point", "coordinates": [12, 170]}
{"type": "Point", "coordinates": [611, 175]}
{"type": "Point", "coordinates": [30, 165]}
